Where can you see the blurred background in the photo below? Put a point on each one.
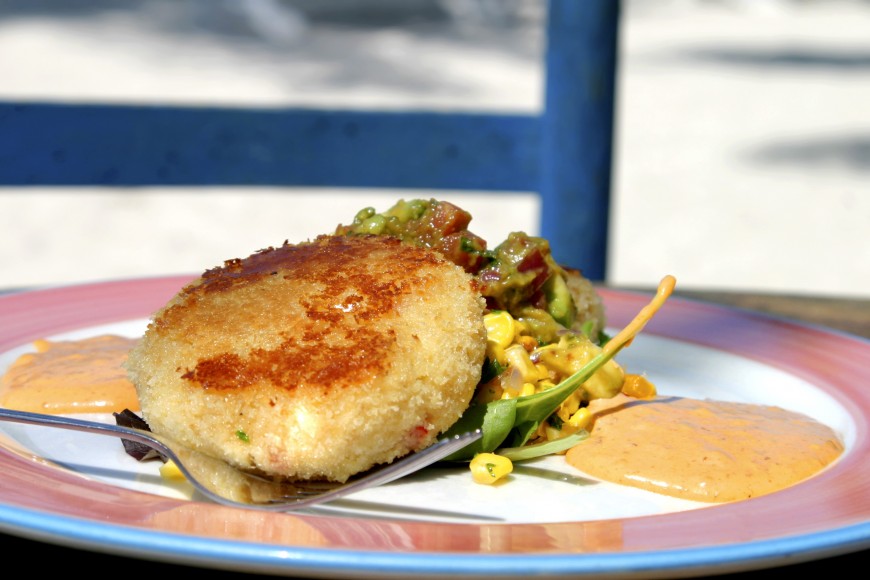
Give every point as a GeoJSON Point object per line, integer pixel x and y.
{"type": "Point", "coordinates": [742, 157]}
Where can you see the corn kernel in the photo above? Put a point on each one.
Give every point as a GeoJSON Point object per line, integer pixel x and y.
{"type": "Point", "coordinates": [518, 358]}
{"type": "Point", "coordinates": [638, 386]}
{"type": "Point", "coordinates": [545, 385]}
{"type": "Point", "coordinates": [496, 352]}
{"type": "Point", "coordinates": [171, 472]}
{"type": "Point", "coordinates": [509, 393]}
{"type": "Point", "coordinates": [529, 343]}
{"type": "Point", "coordinates": [581, 418]}
{"type": "Point", "coordinates": [488, 468]}
{"type": "Point", "coordinates": [552, 433]}
{"type": "Point", "coordinates": [571, 404]}
{"type": "Point", "coordinates": [528, 389]}
{"type": "Point", "coordinates": [501, 328]}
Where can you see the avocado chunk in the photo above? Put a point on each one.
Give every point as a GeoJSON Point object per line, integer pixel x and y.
{"type": "Point", "coordinates": [560, 303]}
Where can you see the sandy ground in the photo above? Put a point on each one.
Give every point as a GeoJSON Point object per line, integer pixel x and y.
{"type": "Point", "coordinates": [743, 144]}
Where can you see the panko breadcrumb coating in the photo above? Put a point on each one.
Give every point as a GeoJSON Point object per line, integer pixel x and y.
{"type": "Point", "coordinates": [317, 360]}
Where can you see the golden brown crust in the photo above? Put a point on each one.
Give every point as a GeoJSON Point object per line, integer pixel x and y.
{"type": "Point", "coordinates": [332, 323]}
{"type": "Point", "coordinates": [330, 356]}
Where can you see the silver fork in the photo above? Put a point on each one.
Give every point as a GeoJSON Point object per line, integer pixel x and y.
{"type": "Point", "coordinates": [227, 485]}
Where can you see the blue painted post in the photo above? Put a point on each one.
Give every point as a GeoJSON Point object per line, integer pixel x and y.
{"type": "Point", "coordinates": [577, 131]}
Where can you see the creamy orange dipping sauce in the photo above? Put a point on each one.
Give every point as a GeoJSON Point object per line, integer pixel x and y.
{"type": "Point", "coordinates": [81, 376]}
{"type": "Point", "coordinates": [709, 451]}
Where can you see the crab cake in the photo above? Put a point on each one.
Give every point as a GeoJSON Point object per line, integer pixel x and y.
{"type": "Point", "coordinates": [317, 360]}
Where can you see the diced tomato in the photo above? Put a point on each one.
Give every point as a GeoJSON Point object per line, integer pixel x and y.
{"type": "Point", "coordinates": [464, 249]}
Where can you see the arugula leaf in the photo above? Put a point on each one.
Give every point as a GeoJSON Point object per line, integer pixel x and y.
{"type": "Point", "coordinates": [514, 421]}
{"type": "Point", "coordinates": [491, 369]}
{"type": "Point", "coordinates": [495, 419]}
{"type": "Point", "coordinates": [541, 449]}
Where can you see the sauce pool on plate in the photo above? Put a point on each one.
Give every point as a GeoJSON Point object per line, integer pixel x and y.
{"type": "Point", "coordinates": [702, 450]}
{"type": "Point", "coordinates": [80, 376]}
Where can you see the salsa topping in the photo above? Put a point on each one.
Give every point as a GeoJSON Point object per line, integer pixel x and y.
{"type": "Point", "coordinates": [519, 275]}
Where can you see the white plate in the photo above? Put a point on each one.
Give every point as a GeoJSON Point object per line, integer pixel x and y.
{"type": "Point", "coordinates": [84, 491]}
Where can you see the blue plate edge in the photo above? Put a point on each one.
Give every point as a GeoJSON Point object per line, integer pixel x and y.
{"type": "Point", "coordinates": [295, 560]}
